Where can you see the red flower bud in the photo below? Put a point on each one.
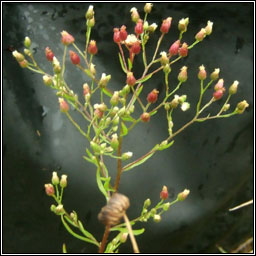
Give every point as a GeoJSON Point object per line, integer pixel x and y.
{"type": "Point", "coordinates": [164, 193]}
{"type": "Point", "coordinates": [92, 48]}
{"type": "Point", "coordinates": [64, 107]}
{"type": "Point", "coordinates": [116, 36]}
{"type": "Point", "coordinates": [130, 79]}
{"type": "Point", "coordinates": [67, 38]}
{"type": "Point", "coordinates": [202, 73]}
{"type": "Point", "coordinates": [49, 189]}
{"type": "Point", "coordinates": [123, 33]}
{"type": "Point", "coordinates": [139, 27]}
{"type": "Point", "coordinates": [200, 35]}
{"type": "Point", "coordinates": [174, 48]}
{"type": "Point", "coordinates": [183, 51]}
{"type": "Point", "coordinates": [74, 58]}
{"type": "Point", "coordinates": [218, 94]}
{"type": "Point", "coordinates": [219, 85]}
{"type": "Point", "coordinates": [98, 113]}
{"type": "Point", "coordinates": [23, 63]}
{"type": "Point", "coordinates": [49, 54]}
{"type": "Point", "coordinates": [166, 24]}
{"type": "Point", "coordinates": [152, 96]}
{"type": "Point", "coordinates": [145, 117]}
{"type": "Point", "coordinates": [135, 48]}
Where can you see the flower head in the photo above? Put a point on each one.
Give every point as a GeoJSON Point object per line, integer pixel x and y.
{"type": "Point", "coordinates": [67, 39]}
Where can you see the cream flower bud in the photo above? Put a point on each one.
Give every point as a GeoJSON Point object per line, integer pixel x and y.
{"type": "Point", "coordinates": [208, 28]}
{"type": "Point", "coordinates": [63, 181]}
{"type": "Point", "coordinates": [90, 13]}
{"type": "Point", "coordinates": [215, 74]}
{"type": "Point", "coordinates": [183, 195]}
{"type": "Point", "coordinates": [185, 106]}
{"type": "Point", "coordinates": [233, 88]}
{"type": "Point", "coordinates": [148, 7]}
{"type": "Point", "coordinates": [152, 27]}
{"type": "Point", "coordinates": [55, 178]}
{"type": "Point", "coordinates": [127, 155]}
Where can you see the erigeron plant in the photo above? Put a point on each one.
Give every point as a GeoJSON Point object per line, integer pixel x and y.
{"type": "Point", "coordinates": [113, 117]}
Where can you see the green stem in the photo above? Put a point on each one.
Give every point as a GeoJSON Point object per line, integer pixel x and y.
{"type": "Point", "coordinates": [192, 45]}
{"type": "Point", "coordinates": [35, 70]}
{"type": "Point", "coordinates": [63, 61]}
{"type": "Point", "coordinates": [201, 96]}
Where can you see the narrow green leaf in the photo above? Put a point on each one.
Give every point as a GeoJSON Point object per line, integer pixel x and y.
{"type": "Point", "coordinates": [64, 249]}
{"type": "Point", "coordinates": [153, 113]}
{"type": "Point", "coordinates": [84, 231]}
{"type": "Point", "coordinates": [124, 129]}
{"type": "Point", "coordinates": [107, 92]}
{"type": "Point", "coordinates": [138, 163]}
{"type": "Point", "coordinates": [89, 153]}
{"type": "Point", "coordinates": [128, 118]}
{"type": "Point", "coordinates": [100, 185]}
{"type": "Point", "coordinates": [89, 159]}
{"type": "Point", "coordinates": [136, 232]}
{"type": "Point", "coordinates": [144, 79]}
{"type": "Point", "coordinates": [121, 62]}
{"type": "Point", "coordinates": [129, 64]}
{"type": "Point", "coordinates": [162, 147]}
{"type": "Point", "coordinates": [137, 95]}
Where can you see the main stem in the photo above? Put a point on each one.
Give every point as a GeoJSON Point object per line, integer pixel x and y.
{"type": "Point", "coordinates": [104, 239]}
{"type": "Point", "coordinates": [119, 163]}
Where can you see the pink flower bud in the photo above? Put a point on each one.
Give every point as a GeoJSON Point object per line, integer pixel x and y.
{"type": "Point", "coordinates": [18, 56]}
{"type": "Point", "coordinates": [174, 48]}
{"type": "Point", "coordinates": [145, 117]}
{"type": "Point", "coordinates": [218, 94]}
{"type": "Point", "coordinates": [152, 96]}
{"type": "Point", "coordinates": [86, 89]}
{"type": "Point", "coordinates": [219, 85]}
{"type": "Point", "coordinates": [139, 27]}
{"type": "Point", "coordinates": [67, 38]}
{"type": "Point", "coordinates": [64, 107]}
{"type": "Point", "coordinates": [183, 51]}
{"type": "Point", "coordinates": [200, 35]}
{"type": "Point", "coordinates": [92, 48]}
{"type": "Point", "coordinates": [116, 36]}
{"type": "Point", "coordinates": [202, 73]}
{"type": "Point", "coordinates": [23, 63]}
{"type": "Point", "coordinates": [74, 58]}
{"type": "Point", "coordinates": [49, 189]}
{"type": "Point", "coordinates": [166, 24]}
{"type": "Point", "coordinates": [130, 79]}
{"type": "Point", "coordinates": [123, 33]}
{"type": "Point", "coordinates": [164, 193]}
{"type": "Point", "coordinates": [183, 75]}
{"type": "Point", "coordinates": [49, 54]}
{"type": "Point", "coordinates": [135, 48]}
{"type": "Point", "coordinates": [183, 195]}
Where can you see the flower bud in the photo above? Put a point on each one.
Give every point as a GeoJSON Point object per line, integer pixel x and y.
{"type": "Point", "coordinates": [114, 141]}
{"type": "Point", "coordinates": [183, 24]}
{"type": "Point", "coordinates": [226, 107]}
{"type": "Point", "coordinates": [208, 28]}
{"type": "Point", "coordinates": [116, 36]}
{"type": "Point", "coordinates": [123, 237]}
{"type": "Point", "coordinates": [53, 208]}
{"type": "Point", "coordinates": [139, 27]}
{"type": "Point", "coordinates": [92, 69]}
{"type": "Point", "coordinates": [152, 96]}
{"type": "Point", "coordinates": [74, 58]}
{"type": "Point", "coordinates": [215, 74]}
{"type": "Point", "coordinates": [49, 189]}
{"type": "Point", "coordinates": [218, 94]}
{"type": "Point", "coordinates": [127, 155]}
{"type": "Point", "coordinates": [183, 75]}
{"type": "Point", "coordinates": [47, 80]}
{"type": "Point", "coordinates": [166, 206]}
{"type": "Point", "coordinates": [219, 85]}
{"type": "Point", "coordinates": [23, 64]}
{"type": "Point", "coordinates": [126, 89]}
{"type": "Point", "coordinates": [200, 35]}
{"type": "Point", "coordinates": [167, 68]}
{"type": "Point", "coordinates": [116, 120]}
{"type": "Point", "coordinates": [55, 178]}
{"type": "Point", "coordinates": [145, 117]}
{"type": "Point", "coordinates": [95, 147]}
{"type": "Point", "coordinates": [147, 203]}
{"type": "Point", "coordinates": [59, 209]}
{"type": "Point", "coordinates": [174, 49]}
{"type": "Point", "coordinates": [18, 56]}
{"type": "Point", "coordinates": [152, 28]}
{"type": "Point", "coordinates": [241, 106]}
{"type": "Point", "coordinates": [27, 42]}
{"type": "Point", "coordinates": [91, 22]}
{"type": "Point", "coordinates": [185, 106]}
{"type": "Point", "coordinates": [202, 73]}
{"type": "Point", "coordinates": [157, 218]}
{"type": "Point", "coordinates": [92, 48]}
{"type": "Point", "coordinates": [56, 65]}
{"type": "Point", "coordinates": [233, 88]}
{"type": "Point", "coordinates": [183, 51]}
{"type": "Point", "coordinates": [86, 89]}
{"type": "Point", "coordinates": [145, 26]}
{"type": "Point", "coordinates": [123, 33]}
{"type": "Point", "coordinates": [175, 102]}
{"type": "Point", "coordinates": [164, 59]}
{"type": "Point", "coordinates": [164, 193]}
{"type": "Point", "coordinates": [49, 54]}
{"type": "Point", "coordinates": [104, 80]}
{"type": "Point", "coordinates": [182, 99]}
{"type": "Point", "coordinates": [134, 15]}
{"type": "Point", "coordinates": [64, 107]}
{"type": "Point", "coordinates": [67, 39]}
{"type": "Point", "coordinates": [63, 181]}
{"type": "Point", "coordinates": [148, 7]}
{"type": "Point", "coordinates": [130, 80]}
{"type": "Point", "coordinates": [90, 13]}
{"type": "Point", "coordinates": [183, 195]}
{"type": "Point", "coordinates": [166, 24]}
{"type": "Point", "coordinates": [115, 98]}
{"type": "Point", "coordinates": [135, 48]}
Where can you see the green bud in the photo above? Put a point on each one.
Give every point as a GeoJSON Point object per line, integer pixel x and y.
{"type": "Point", "coordinates": [27, 52]}
{"type": "Point", "coordinates": [123, 237]}
{"type": "Point", "coordinates": [167, 69]}
{"type": "Point", "coordinates": [115, 98]}
{"type": "Point", "coordinates": [63, 181]}
{"type": "Point", "coordinates": [166, 206]}
{"type": "Point", "coordinates": [55, 178]}
{"type": "Point", "coordinates": [27, 42]}
{"type": "Point", "coordinates": [95, 147]}
{"type": "Point", "coordinates": [147, 203]}
{"type": "Point", "coordinates": [53, 208]}
{"type": "Point", "coordinates": [127, 155]}
{"type": "Point", "coordinates": [59, 210]}
{"type": "Point", "coordinates": [157, 218]}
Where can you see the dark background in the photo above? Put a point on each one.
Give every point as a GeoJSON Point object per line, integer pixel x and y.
{"type": "Point", "coordinates": [213, 159]}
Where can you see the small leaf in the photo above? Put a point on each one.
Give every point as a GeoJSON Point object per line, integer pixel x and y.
{"type": "Point", "coordinates": [129, 167]}
{"type": "Point", "coordinates": [64, 249]}
{"type": "Point", "coordinates": [89, 159]}
{"type": "Point", "coordinates": [107, 92]}
{"type": "Point", "coordinates": [124, 129]}
{"type": "Point", "coordinates": [144, 79]}
{"type": "Point", "coordinates": [128, 118]}
{"type": "Point", "coordinates": [129, 64]}
{"type": "Point", "coordinates": [85, 232]}
{"type": "Point", "coordinates": [100, 185]}
{"type": "Point", "coordinates": [121, 62]}
{"type": "Point", "coordinates": [162, 147]}
{"type": "Point", "coordinates": [153, 113]}
{"type": "Point", "coordinates": [136, 232]}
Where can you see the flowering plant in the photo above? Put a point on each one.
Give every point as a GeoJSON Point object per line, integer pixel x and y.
{"type": "Point", "coordinates": [113, 116]}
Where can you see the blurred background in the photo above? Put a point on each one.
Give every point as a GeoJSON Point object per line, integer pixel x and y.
{"type": "Point", "coordinates": [213, 159]}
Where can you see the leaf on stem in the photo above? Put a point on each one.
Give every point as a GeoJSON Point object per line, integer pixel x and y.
{"type": "Point", "coordinates": [100, 185]}
{"type": "Point", "coordinates": [107, 92]}
{"type": "Point", "coordinates": [137, 95]}
{"type": "Point", "coordinates": [64, 249]}
{"type": "Point", "coordinates": [124, 230]}
{"type": "Point", "coordinates": [128, 118]}
{"type": "Point", "coordinates": [124, 129]}
{"type": "Point", "coordinates": [162, 147]}
{"type": "Point", "coordinates": [129, 64]}
{"type": "Point", "coordinates": [121, 62]}
{"type": "Point", "coordinates": [144, 79]}
{"type": "Point", "coordinates": [85, 232]}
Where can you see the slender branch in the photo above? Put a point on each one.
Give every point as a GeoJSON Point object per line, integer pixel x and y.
{"type": "Point", "coordinates": [119, 162]}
